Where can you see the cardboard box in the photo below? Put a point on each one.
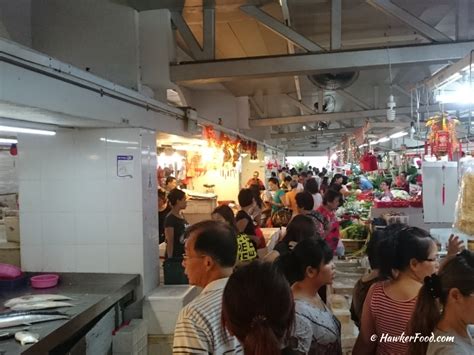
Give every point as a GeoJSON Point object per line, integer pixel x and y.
{"type": "Point", "coordinates": [12, 229]}
{"type": "Point", "coordinates": [10, 253]}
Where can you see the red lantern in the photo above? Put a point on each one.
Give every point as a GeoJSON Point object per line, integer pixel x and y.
{"type": "Point", "coordinates": [368, 162]}
{"type": "Point", "coordinates": [13, 150]}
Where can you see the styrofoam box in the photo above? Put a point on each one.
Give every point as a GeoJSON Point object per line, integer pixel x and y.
{"type": "Point", "coordinates": [132, 338]}
{"type": "Point", "coordinates": [162, 306]}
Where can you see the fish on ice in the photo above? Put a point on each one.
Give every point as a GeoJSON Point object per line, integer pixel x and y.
{"type": "Point", "coordinates": [39, 305]}
{"type": "Point", "coordinates": [17, 318]}
{"type": "Point", "coordinates": [35, 298]}
{"type": "Point", "coordinates": [26, 338]}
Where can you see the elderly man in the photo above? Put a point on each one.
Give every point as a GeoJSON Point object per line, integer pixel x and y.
{"type": "Point", "coordinates": [210, 255]}
{"type": "Point", "coordinates": [255, 180]}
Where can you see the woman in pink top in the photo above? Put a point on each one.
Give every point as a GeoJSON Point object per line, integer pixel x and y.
{"type": "Point", "coordinates": [406, 258]}
{"type": "Point", "coordinates": [331, 202]}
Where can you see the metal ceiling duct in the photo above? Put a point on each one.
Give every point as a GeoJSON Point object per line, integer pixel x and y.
{"type": "Point", "coordinates": [332, 82]}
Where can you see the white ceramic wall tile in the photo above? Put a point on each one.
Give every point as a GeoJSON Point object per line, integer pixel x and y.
{"type": "Point", "coordinates": [126, 259]}
{"type": "Point", "coordinates": [124, 228]}
{"type": "Point", "coordinates": [90, 220]}
{"type": "Point", "coordinates": [60, 157]}
{"type": "Point", "coordinates": [60, 258]}
{"type": "Point", "coordinates": [91, 195]}
{"type": "Point", "coordinates": [92, 258]}
{"type": "Point", "coordinates": [31, 229]}
{"type": "Point", "coordinates": [91, 228]}
{"type": "Point", "coordinates": [124, 195]}
{"type": "Point", "coordinates": [29, 163]}
{"type": "Point", "coordinates": [58, 229]}
{"type": "Point", "coordinates": [32, 258]}
{"type": "Point", "coordinates": [30, 196]}
{"type": "Point", "coordinates": [119, 137]}
{"type": "Point", "coordinates": [91, 154]}
{"type": "Point", "coordinates": [58, 195]}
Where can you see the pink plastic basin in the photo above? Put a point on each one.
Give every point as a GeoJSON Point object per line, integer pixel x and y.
{"type": "Point", "coordinates": [44, 281]}
{"type": "Point", "coordinates": [8, 271]}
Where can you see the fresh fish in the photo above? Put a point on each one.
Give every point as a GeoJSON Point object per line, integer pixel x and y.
{"type": "Point", "coordinates": [6, 335]}
{"type": "Point", "coordinates": [35, 298]}
{"type": "Point", "coordinates": [39, 305]}
{"type": "Point", "coordinates": [26, 338]}
{"type": "Point", "coordinates": [16, 318]}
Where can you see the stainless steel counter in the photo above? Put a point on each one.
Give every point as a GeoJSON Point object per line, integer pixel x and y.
{"type": "Point", "coordinates": [92, 295]}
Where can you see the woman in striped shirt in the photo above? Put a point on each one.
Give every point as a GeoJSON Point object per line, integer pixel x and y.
{"type": "Point", "coordinates": [406, 258]}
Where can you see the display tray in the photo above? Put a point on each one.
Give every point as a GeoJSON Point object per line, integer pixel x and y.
{"type": "Point", "coordinates": [352, 245]}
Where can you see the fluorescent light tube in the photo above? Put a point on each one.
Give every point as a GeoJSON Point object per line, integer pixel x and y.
{"type": "Point", "coordinates": [8, 141]}
{"type": "Point", "coordinates": [398, 135]}
{"type": "Point", "coordinates": [383, 140]}
{"type": "Point", "coordinates": [27, 130]}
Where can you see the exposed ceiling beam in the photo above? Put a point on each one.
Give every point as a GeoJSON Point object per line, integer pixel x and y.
{"type": "Point", "coordinates": [375, 125]}
{"type": "Point", "coordinates": [281, 29]}
{"type": "Point", "coordinates": [357, 101]}
{"type": "Point", "coordinates": [306, 63]}
{"type": "Point", "coordinates": [256, 107]}
{"type": "Point", "coordinates": [336, 16]}
{"type": "Point", "coordinates": [178, 5]}
{"type": "Point", "coordinates": [389, 8]}
{"type": "Point", "coordinates": [209, 30]}
{"type": "Point", "coordinates": [305, 109]}
{"type": "Point", "coordinates": [291, 50]}
{"type": "Point", "coordinates": [401, 90]}
{"type": "Point", "coordinates": [462, 20]}
{"type": "Point", "coordinates": [304, 134]}
{"type": "Point", "coordinates": [187, 35]}
{"type": "Point", "coordinates": [331, 117]}
{"type": "Point", "coordinates": [208, 50]}
{"type": "Point", "coordinates": [306, 153]}
{"type": "Point", "coordinates": [446, 74]}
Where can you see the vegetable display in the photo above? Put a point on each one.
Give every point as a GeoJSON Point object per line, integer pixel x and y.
{"type": "Point", "coordinates": [355, 231]}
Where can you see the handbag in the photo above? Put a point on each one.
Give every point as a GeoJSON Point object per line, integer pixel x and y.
{"type": "Point", "coordinates": [281, 218]}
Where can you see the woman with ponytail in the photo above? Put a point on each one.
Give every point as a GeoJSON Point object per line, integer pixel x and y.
{"type": "Point", "coordinates": [308, 267]}
{"type": "Point", "coordinates": [406, 257]}
{"type": "Point", "coordinates": [258, 308]}
{"type": "Point", "coordinates": [445, 307]}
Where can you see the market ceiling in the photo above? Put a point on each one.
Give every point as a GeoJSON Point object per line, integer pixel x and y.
{"type": "Point", "coordinates": [245, 47]}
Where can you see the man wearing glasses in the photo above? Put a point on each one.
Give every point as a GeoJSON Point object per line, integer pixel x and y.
{"type": "Point", "coordinates": [210, 256]}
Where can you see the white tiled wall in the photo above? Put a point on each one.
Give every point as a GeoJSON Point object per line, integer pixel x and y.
{"type": "Point", "coordinates": [76, 214]}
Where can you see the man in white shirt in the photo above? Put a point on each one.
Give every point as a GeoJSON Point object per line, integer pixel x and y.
{"type": "Point", "coordinates": [210, 256]}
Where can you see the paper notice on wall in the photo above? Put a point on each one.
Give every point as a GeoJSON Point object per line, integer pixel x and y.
{"type": "Point", "coordinates": [125, 166]}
